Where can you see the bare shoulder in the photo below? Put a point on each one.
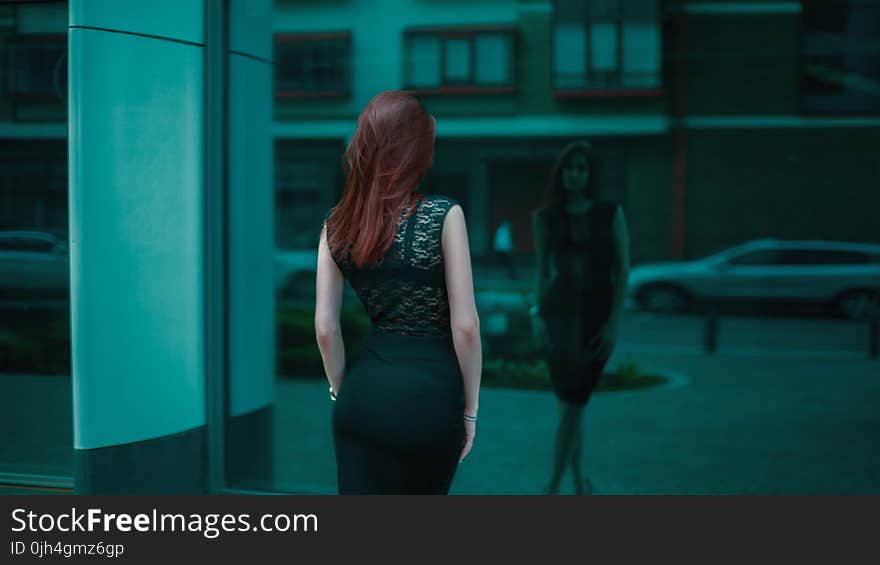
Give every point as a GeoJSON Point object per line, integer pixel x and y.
{"type": "Point", "coordinates": [454, 218]}
{"type": "Point", "coordinates": [448, 207]}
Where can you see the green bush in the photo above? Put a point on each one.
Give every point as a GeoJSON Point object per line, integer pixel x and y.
{"type": "Point", "coordinates": [628, 369]}
{"type": "Point", "coordinates": [38, 341]}
{"type": "Point", "coordinates": [534, 374]}
{"type": "Point", "coordinates": [506, 373]}
{"type": "Point", "coordinates": [35, 341]}
{"type": "Point", "coordinates": [296, 349]}
{"type": "Point", "coordinates": [18, 353]}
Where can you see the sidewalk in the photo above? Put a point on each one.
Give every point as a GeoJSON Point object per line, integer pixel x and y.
{"type": "Point", "coordinates": [738, 426]}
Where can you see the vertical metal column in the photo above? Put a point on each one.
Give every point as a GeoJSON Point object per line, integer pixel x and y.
{"type": "Point", "coordinates": [216, 236]}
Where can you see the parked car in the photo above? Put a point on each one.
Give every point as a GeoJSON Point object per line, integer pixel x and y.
{"type": "Point", "coordinates": [841, 274]}
{"type": "Point", "coordinates": [295, 276]}
{"type": "Point", "coordinates": [33, 265]}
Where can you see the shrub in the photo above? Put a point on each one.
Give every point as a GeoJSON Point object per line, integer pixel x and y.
{"type": "Point", "coordinates": [534, 374]}
{"type": "Point", "coordinates": [18, 353]}
{"type": "Point", "coordinates": [297, 352]}
{"type": "Point", "coordinates": [35, 341]}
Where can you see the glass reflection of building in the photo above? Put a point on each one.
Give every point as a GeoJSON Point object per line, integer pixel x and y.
{"type": "Point", "coordinates": [716, 123]}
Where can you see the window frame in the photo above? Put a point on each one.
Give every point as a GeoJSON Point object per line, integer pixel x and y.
{"type": "Point", "coordinates": [304, 37]}
{"type": "Point", "coordinates": [471, 32]}
{"type": "Point", "coordinates": [619, 91]}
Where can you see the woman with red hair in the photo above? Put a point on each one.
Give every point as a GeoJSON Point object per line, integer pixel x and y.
{"type": "Point", "coordinates": [406, 407]}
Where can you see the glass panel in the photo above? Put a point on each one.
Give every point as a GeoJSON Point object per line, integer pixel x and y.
{"type": "Point", "coordinates": [290, 64]}
{"type": "Point", "coordinates": [743, 171]}
{"type": "Point", "coordinates": [570, 54]}
{"type": "Point", "coordinates": [319, 65]}
{"type": "Point", "coordinates": [641, 54]}
{"type": "Point", "coordinates": [458, 60]}
{"type": "Point", "coordinates": [423, 57]}
{"type": "Point", "coordinates": [493, 59]}
{"type": "Point", "coordinates": [603, 46]}
{"type": "Point", "coordinates": [36, 433]}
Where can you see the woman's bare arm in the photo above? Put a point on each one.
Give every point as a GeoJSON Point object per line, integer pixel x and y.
{"type": "Point", "coordinates": [539, 234]}
{"type": "Point", "coordinates": [462, 305]}
{"type": "Point", "coordinates": [328, 302]}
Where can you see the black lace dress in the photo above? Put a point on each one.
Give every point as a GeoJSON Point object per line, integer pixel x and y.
{"type": "Point", "coordinates": [397, 421]}
{"type": "Point", "coordinates": [576, 304]}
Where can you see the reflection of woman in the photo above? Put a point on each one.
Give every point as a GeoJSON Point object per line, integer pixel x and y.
{"type": "Point", "coordinates": [582, 257]}
{"type": "Point", "coordinates": [406, 414]}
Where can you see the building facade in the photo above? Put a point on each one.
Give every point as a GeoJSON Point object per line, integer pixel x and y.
{"type": "Point", "coordinates": [714, 122]}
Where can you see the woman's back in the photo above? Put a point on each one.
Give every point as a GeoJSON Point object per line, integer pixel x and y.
{"type": "Point", "coordinates": [406, 292]}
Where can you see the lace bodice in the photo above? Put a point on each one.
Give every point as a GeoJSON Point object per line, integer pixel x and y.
{"type": "Point", "coordinates": [406, 292]}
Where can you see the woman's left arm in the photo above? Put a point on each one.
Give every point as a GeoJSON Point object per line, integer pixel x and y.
{"type": "Point", "coordinates": [328, 303]}
{"type": "Point", "coordinates": [621, 265]}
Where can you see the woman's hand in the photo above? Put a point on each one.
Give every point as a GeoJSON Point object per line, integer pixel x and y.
{"type": "Point", "coordinates": [470, 430]}
{"type": "Point", "coordinates": [334, 390]}
{"type": "Point", "coordinates": [603, 344]}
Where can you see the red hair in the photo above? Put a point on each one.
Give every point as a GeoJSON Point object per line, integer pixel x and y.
{"type": "Point", "coordinates": [385, 161]}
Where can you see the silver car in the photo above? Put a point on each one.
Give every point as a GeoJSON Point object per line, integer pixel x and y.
{"type": "Point", "coordinates": [33, 264]}
{"type": "Point", "coordinates": [844, 275]}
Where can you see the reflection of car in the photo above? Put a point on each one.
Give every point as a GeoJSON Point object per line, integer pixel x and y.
{"type": "Point", "coordinates": [295, 272]}
{"type": "Point", "coordinates": [846, 275]}
{"type": "Point", "coordinates": [33, 264]}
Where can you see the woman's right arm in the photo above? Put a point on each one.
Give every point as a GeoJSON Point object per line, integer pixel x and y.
{"type": "Point", "coordinates": [462, 305]}
{"type": "Point", "coordinates": [539, 234]}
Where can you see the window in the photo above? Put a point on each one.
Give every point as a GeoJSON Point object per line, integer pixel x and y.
{"type": "Point", "coordinates": [313, 65]}
{"type": "Point", "coordinates": [38, 67]}
{"type": "Point", "coordinates": [758, 258]}
{"type": "Point", "coordinates": [807, 257]}
{"type": "Point", "coordinates": [841, 57]}
{"type": "Point", "coordinates": [800, 257]}
{"type": "Point", "coordinates": [459, 60]}
{"type": "Point", "coordinates": [844, 258]}
{"type": "Point", "coordinates": [606, 47]}
{"type": "Point", "coordinates": [298, 202]}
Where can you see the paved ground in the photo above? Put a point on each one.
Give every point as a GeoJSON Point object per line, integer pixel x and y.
{"type": "Point", "coordinates": [786, 406]}
{"type": "Point", "coordinates": [738, 425]}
